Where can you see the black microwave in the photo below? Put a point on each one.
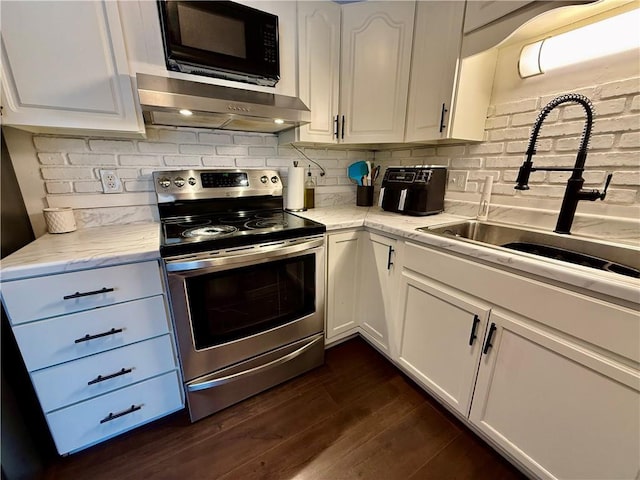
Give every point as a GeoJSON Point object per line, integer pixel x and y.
{"type": "Point", "coordinates": [221, 39]}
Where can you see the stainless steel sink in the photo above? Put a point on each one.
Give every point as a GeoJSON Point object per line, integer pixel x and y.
{"type": "Point", "coordinates": [602, 255]}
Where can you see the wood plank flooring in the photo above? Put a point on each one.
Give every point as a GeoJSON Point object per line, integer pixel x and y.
{"type": "Point", "coordinates": [356, 417]}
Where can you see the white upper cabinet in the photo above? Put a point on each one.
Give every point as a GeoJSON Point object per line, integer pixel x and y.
{"type": "Point", "coordinates": [484, 12]}
{"type": "Point", "coordinates": [448, 95]}
{"type": "Point", "coordinates": [319, 68]}
{"type": "Point", "coordinates": [354, 75]}
{"type": "Point", "coordinates": [64, 66]}
{"type": "Point", "coordinates": [374, 76]}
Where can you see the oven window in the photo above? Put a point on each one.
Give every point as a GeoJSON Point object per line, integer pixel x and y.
{"type": "Point", "coordinates": [236, 303]}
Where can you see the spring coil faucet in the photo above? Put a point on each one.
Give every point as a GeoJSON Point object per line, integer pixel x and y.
{"type": "Point", "coordinates": [574, 191]}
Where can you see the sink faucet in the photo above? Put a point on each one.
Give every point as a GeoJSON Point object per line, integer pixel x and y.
{"type": "Point", "coordinates": [574, 192]}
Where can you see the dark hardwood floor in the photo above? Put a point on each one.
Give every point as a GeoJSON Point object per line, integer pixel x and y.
{"type": "Point", "coordinates": [356, 417]}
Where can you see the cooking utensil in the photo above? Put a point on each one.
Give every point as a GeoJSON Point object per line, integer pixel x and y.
{"type": "Point", "coordinates": [374, 175]}
{"type": "Point", "coordinates": [357, 170]}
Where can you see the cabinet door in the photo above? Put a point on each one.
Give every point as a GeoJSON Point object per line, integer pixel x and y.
{"type": "Point", "coordinates": [435, 57]}
{"type": "Point", "coordinates": [377, 288]}
{"type": "Point", "coordinates": [319, 68]}
{"type": "Point", "coordinates": [342, 282]}
{"type": "Point", "coordinates": [376, 55]}
{"type": "Point", "coordinates": [441, 340]}
{"type": "Point", "coordinates": [64, 65]}
{"type": "Point", "coordinates": [564, 411]}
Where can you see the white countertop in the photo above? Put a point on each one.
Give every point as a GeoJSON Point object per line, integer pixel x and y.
{"type": "Point", "coordinates": [375, 218]}
{"type": "Point", "coordinates": [111, 245]}
{"type": "Point", "coordinates": [84, 248]}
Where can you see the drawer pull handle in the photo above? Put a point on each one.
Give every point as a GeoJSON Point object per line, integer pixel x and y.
{"type": "Point", "coordinates": [389, 262]}
{"type": "Point", "coordinates": [487, 343]}
{"type": "Point", "coordinates": [473, 336]}
{"type": "Point", "coordinates": [98, 335]}
{"type": "Point", "coordinates": [101, 378]}
{"type": "Point", "coordinates": [113, 416]}
{"type": "Point", "coordinates": [86, 294]}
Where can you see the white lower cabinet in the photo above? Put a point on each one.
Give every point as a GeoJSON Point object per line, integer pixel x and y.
{"type": "Point", "coordinates": [536, 383]}
{"type": "Point", "coordinates": [102, 360]}
{"type": "Point", "coordinates": [378, 275]}
{"type": "Point", "coordinates": [441, 339]}
{"type": "Point", "coordinates": [342, 284]}
{"type": "Point", "coordinates": [548, 375]}
{"type": "Point", "coordinates": [562, 410]}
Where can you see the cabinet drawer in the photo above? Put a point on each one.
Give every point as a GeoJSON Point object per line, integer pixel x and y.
{"type": "Point", "coordinates": [89, 422]}
{"type": "Point", "coordinates": [61, 339]}
{"type": "Point", "coordinates": [43, 297]}
{"type": "Point", "coordinates": [73, 382]}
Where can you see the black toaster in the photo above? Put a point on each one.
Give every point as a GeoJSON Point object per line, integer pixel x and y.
{"type": "Point", "coordinates": [415, 190]}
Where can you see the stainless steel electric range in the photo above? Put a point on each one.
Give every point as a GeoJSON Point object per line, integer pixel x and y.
{"type": "Point", "coordinates": [246, 283]}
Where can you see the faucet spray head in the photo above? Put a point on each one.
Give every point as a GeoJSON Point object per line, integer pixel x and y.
{"type": "Point", "coordinates": [522, 182]}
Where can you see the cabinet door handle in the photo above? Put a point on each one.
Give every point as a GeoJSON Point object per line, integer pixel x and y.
{"type": "Point", "coordinates": [343, 122]}
{"type": "Point", "coordinates": [473, 336]}
{"type": "Point", "coordinates": [444, 110]}
{"type": "Point", "coordinates": [88, 337]}
{"type": "Point", "coordinates": [113, 416]}
{"type": "Point", "coordinates": [487, 343]}
{"type": "Point", "coordinates": [389, 262]}
{"type": "Point", "coordinates": [336, 131]}
{"type": "Point", "coordinates": [102, 378]}
{"type": "Point", "coordinates": [86, 294]}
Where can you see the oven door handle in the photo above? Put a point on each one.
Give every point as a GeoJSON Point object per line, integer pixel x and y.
{"type": "Point", "coordinates": [204, 261]}
{"type": "Point", "coordinates": [216, 382]}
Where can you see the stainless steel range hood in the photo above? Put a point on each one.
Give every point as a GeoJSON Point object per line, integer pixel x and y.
{"type": "Point", "coordinates": [214, 106]}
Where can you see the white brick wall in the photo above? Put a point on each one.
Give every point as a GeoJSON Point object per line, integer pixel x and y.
{"type": "Point", "coordinates": [614, 147]}
{"type": "Point", "coordinates": [71, 166]}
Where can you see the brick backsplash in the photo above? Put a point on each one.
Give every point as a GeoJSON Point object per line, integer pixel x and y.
{"type": "Point", "coordinates": [614, 147]}
{"type": "Point", "coordinates": [70, 165]}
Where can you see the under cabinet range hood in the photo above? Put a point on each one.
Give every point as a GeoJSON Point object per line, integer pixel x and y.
{"type": "Point", "coordinates": [182, 103]}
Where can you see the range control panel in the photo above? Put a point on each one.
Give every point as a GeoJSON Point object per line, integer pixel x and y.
{"type": "Point", "coordinates": [218, 183]}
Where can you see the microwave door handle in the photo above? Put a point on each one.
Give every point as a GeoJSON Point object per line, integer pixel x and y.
{"type": "Point", "coordinates": [402, 200]}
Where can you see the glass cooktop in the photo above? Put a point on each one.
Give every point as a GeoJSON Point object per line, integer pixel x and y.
{"type": "Point", "coordinates": [191, 234]}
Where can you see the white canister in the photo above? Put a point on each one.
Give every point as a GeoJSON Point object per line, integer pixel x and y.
{"type": "Point", "coordinates": [60, 220]}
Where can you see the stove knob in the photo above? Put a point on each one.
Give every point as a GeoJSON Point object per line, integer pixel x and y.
{"type": "Point", "coordinates": [179, 182]}
{"type": "Point", "coordinates": [164, 182]}
{"type": "Point", "coordinates": [264, 179]}
{"type": "Point", "coordinates": [192, 181]}
{"type": "Point", "coordinates": [274, 179]}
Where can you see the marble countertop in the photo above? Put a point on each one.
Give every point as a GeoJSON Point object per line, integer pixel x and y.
{"type": "Point", "coordinates": [111, 245]}
{"type": "Point", "coordinates": [84, 248]}
{"type": "Point", "coordinates": [611, 284]}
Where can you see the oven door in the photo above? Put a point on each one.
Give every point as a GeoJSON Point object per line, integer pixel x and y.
{"type": "Point", "coordinates": [234, 306]}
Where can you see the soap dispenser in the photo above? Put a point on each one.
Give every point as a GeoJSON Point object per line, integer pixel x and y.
{"type": "Point", "coordinates": [309, 191]}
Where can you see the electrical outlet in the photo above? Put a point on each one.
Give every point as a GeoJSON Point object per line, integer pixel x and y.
{"type": "Point", "coordinates": [110, 181]}
{"type": "Point", "coordinates": [457, 181]}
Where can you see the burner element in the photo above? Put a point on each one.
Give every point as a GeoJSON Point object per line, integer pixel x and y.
{"type": "Point", "coordinates": [234, 219]}
{"type": "Point", "coordinates": [209, 231]}
{"type": "Point", "coordinates": [194, 223]}
{"type": "Point", "coordinates": [273, 221]}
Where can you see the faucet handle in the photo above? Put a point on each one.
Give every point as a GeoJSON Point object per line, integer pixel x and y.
{"type": "Point", "coordinates": [606, 186]}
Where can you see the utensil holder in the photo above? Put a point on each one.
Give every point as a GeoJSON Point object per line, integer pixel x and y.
{"type": "Point", "coordinates": [364, 196]}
